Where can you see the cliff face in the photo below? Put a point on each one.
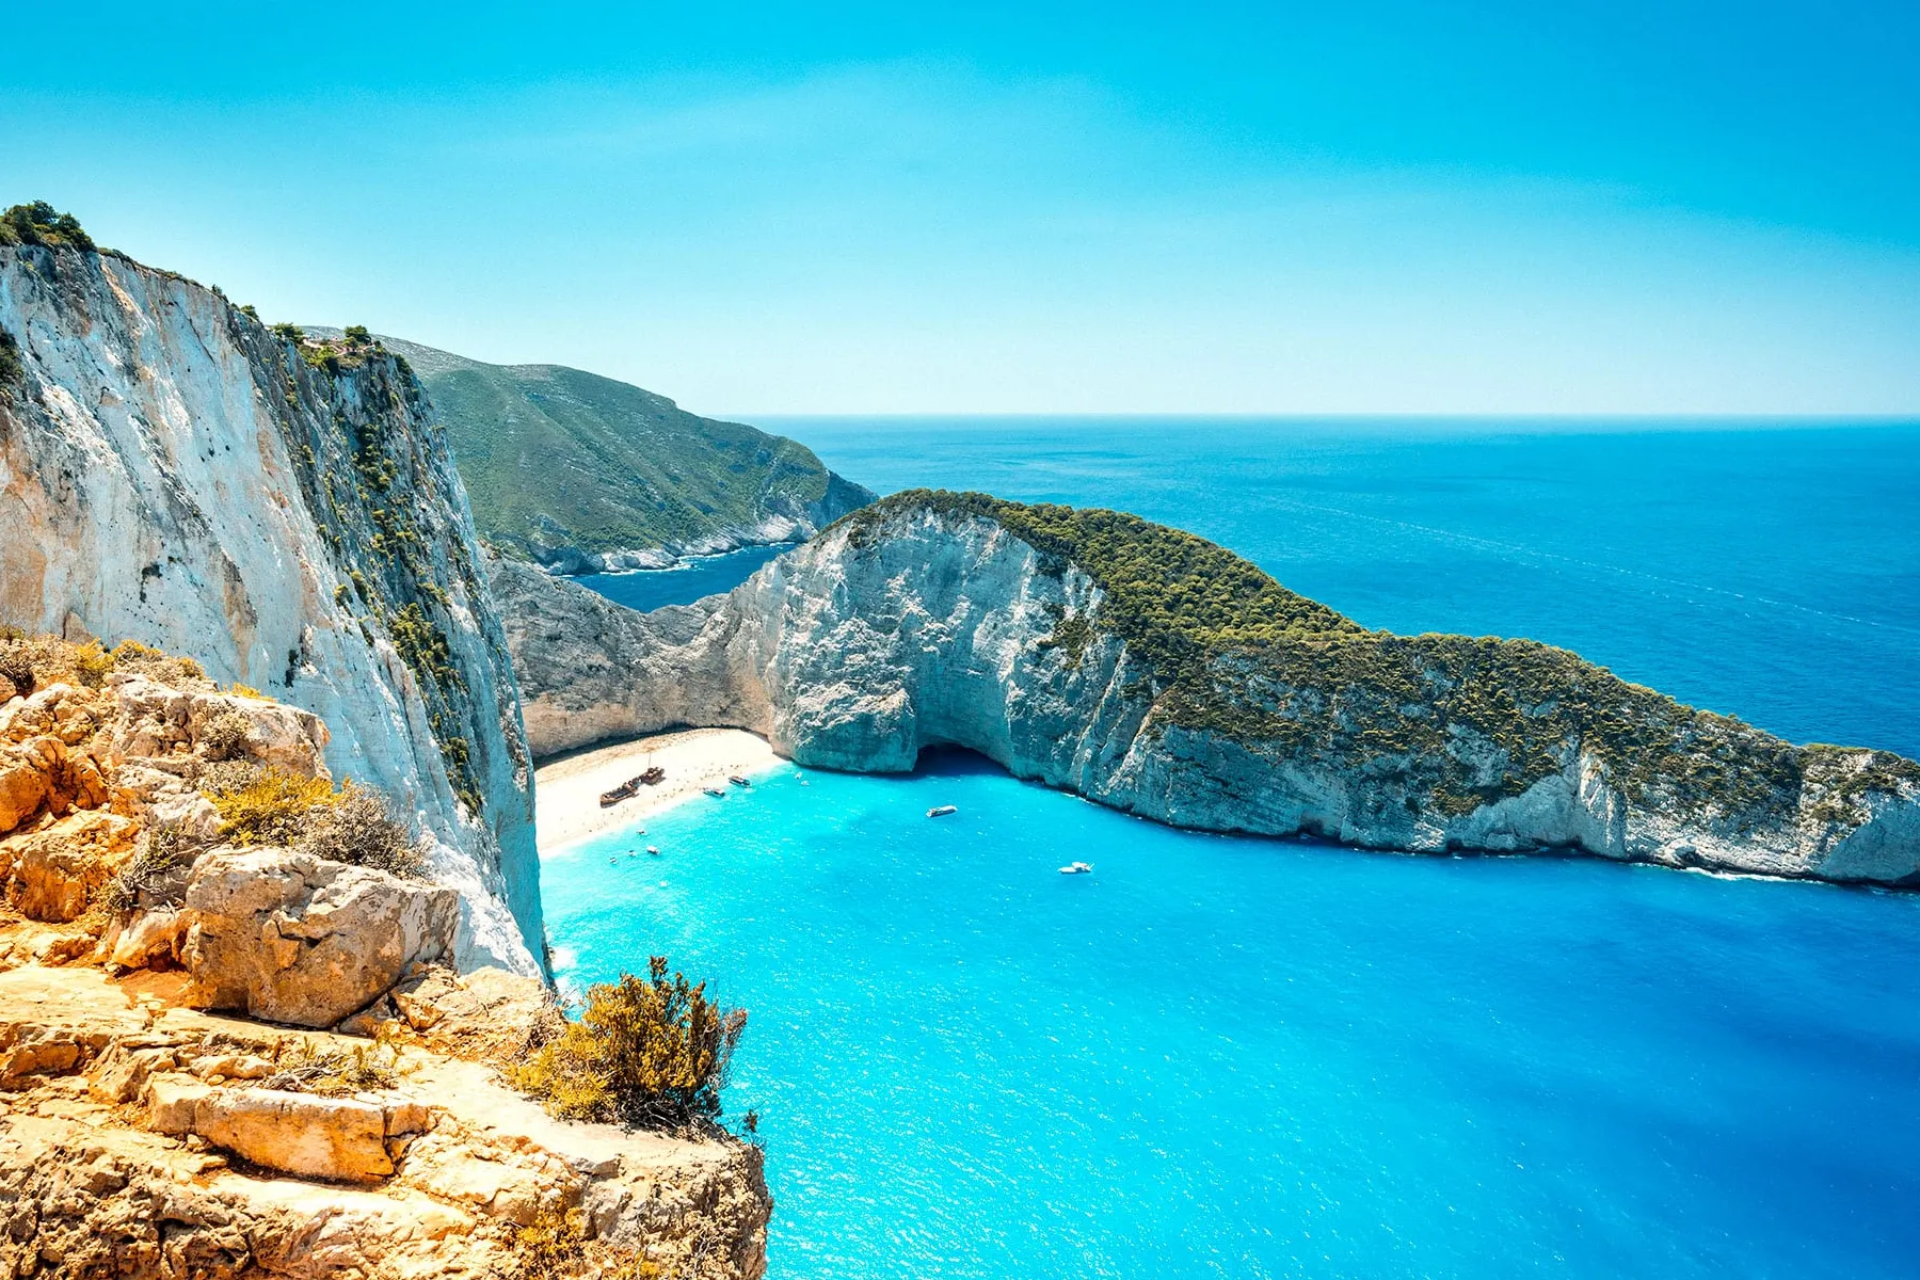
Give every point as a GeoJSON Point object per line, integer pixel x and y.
{"type": "Point", "coordinates": [1155, 673]}
{"type": "Point", "coordinates": [594, 671]}
{"type": "Point", "coordinates": [172, 471]}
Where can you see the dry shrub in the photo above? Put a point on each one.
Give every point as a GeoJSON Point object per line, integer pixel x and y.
{"type": "Point", "coordinates": [137, 659]}
{"type": "Point", "coordinates": [649, 1052]}
{"type": "Point", "coordinates": [335, 1072]}
{"type": "Point", "coordinates": [358, 828]}
{"type": "Point", "coordinates": [555, 1246]}
{"type": "Point", "coordinates": [225, 735]}
{"type": "Point", "coordinates": [150, 879]}
{"type": "Point", "coordinates": [29, 662]}
{"type": "Point", "coordinates": [16, 666]}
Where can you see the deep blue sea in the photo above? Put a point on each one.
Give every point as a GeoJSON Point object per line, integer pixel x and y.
{"type": "Point", "coordinates": [698, 576]}
{"type": "Point", "coordinates": [1223, 1057]}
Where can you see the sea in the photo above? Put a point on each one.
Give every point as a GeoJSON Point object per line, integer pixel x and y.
{"type": "Point", "coordinates": [1234, 1057]}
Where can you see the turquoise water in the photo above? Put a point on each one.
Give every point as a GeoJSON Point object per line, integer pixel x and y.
{"type": "Point", "coordinates": [1232, 1057]}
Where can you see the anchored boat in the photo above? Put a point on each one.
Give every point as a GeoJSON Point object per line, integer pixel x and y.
{"type": "Point", "coordinates": [1077, 869]}
{"type": "Point", "coordinates": [942, 810]}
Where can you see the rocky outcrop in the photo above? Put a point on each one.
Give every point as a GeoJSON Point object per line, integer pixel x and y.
{"type": "Point", "coordinates": [292, 938]}
{"type": "Point", "coordinates": [593, 671]}
{"type": "Point", "coordinates": [173, 471]}
{"type": "Point", "coordinates": [1156, 673]}
{"type": "Point", "coordinates": [87, 769]}
{"type": "Point", "coordinates": [140, 1140]}
{"type": "Point", "coordinates": [145, 1139]}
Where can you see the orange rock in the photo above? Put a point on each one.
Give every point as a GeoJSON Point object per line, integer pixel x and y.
{"type": "Point", "coordinates": [53, 873]}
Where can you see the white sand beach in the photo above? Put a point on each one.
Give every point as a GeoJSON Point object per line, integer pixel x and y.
{"type": "Point", "coordinates": [567, 791]}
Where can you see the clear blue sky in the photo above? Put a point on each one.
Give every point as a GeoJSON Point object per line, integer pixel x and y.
{"type": "Point", "coordinates": [1501, 207]}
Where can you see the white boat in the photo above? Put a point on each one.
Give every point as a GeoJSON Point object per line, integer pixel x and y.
{"type": "Point", "coordinates": [1077, 869]}
{"type": "Point", "coordinates": [715, 792]}
{"type": "Point", "coordinates": [942, 810]}
{"type": "Point", "coordinates": [654, 849]}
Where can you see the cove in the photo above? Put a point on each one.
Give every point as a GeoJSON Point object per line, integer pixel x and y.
{"type": "Point", "coordinates": [691, 579]}
{"type": "Point", "coordinates": [1220, 1056]}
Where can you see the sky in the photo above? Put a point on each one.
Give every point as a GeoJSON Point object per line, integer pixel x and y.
{"type": "Point", "coordinates": [1491, 208]}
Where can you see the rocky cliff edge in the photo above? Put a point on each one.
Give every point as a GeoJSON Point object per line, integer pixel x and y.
{"type": "Point", "coordinates": [238, 1060]}
{"type": "Point", "coordinates": [176, 472]}
{"type": "Point", "coordinates": [1157, 673]}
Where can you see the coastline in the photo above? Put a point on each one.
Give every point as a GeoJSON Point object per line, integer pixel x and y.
{"type": "Point", "coordinates": [567, 790]}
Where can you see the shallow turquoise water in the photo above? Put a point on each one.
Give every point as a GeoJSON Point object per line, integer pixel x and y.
{"type": "Point", "coordinates": [1230, 1057]}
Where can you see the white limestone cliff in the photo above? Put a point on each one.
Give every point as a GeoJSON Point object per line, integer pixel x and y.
{"type": "Point", "coordinates": [172, 471]}
{"type": "Point", "coordinates": [920, 628]}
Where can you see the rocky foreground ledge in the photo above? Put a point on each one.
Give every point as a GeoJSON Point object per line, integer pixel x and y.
{"type": "Point", "coordinates": [237, 1060]}
{"type": "Point", "coordinates": [1155, 672]}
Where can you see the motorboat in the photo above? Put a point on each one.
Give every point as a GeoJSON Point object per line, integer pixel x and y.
{"type": "Point", "coordinates": [942, 810]}
{"type": "Point", "coordinates": [1077, 869]}
{"type": "Point", "coordinates": [715, 792]}
{"type": "Point", "coordinates": [738, 781]}
{"type": "Point", "coordinates": [654, 849]}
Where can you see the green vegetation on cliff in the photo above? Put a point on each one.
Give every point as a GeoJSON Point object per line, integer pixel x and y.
{"type": "Point", "coordinates": [40, 223]}
{"type": "Point", "coordinates": [647, 1052]}
{"type": "Point", "coordinates": [558, 462]}
{"type": "Point", "coordinates": [1466, 719]}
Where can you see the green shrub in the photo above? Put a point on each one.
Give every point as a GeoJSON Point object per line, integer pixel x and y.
{"type": "Point", "coordinates": [290, 332]}
{"type": "Point", "coordinates": [265, 805]}
{"type": "Point", "coordinates": [40, 223]}
{"type": "Point", "coordinates": [646, 1052]}
{"type": "Point", "coordinates": [13, 371]}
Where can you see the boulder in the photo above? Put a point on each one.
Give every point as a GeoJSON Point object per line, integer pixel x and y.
{"type": "Point", "coordinates": [23, 789]}
{"type": "Point", "coordinates": [148, 937]}
{"type": "Point", "coordinates": [153, 717]}
{"type": "Point", "coordinates": [53, 874]}
{"type": "Point", "coordinates": [292, 938]}
{"type": "Point", "coordinates": [340, 1139]}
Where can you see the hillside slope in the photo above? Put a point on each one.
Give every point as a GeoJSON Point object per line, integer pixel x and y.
{"type": "Point", "coordinates": [582, 473]}
{"type": "Point", "coordinates": [1153, 671]}
{"type": "Point", "coordinates": [174, 472]}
